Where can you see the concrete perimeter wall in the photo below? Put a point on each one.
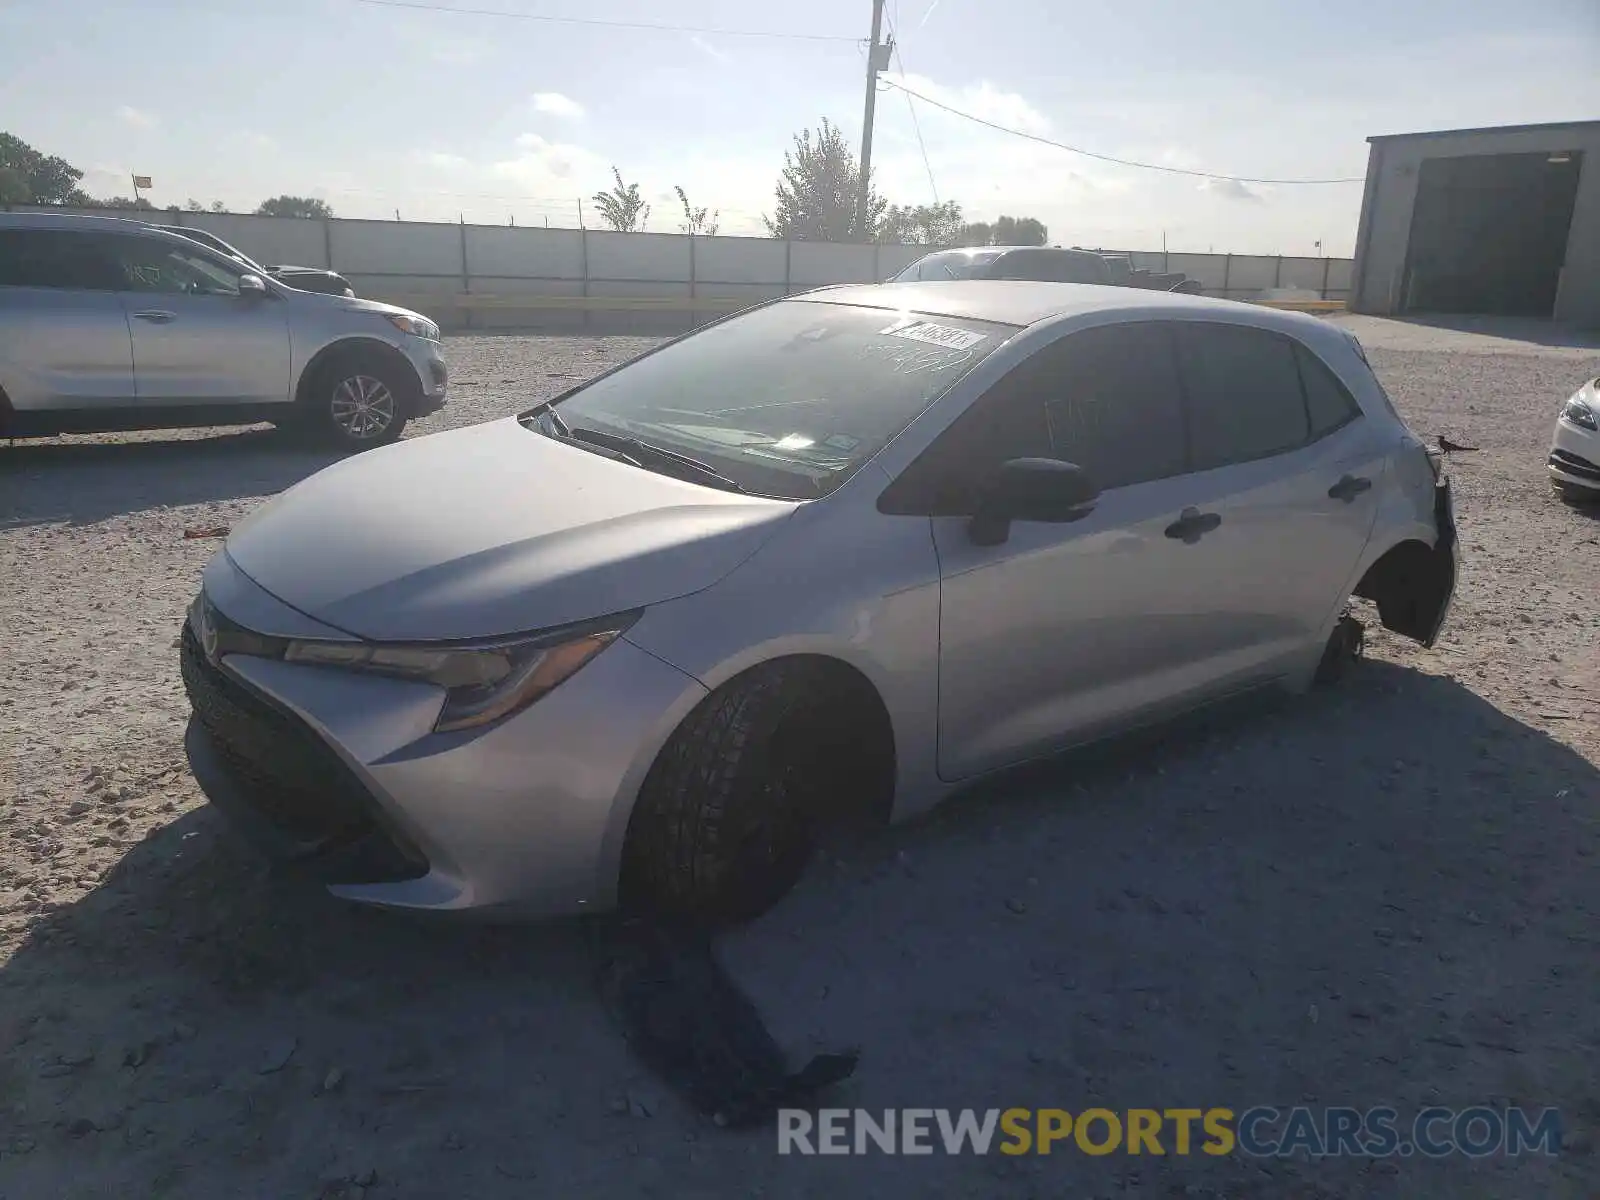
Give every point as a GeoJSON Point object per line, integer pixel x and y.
{"type": "Point", "coordinates": [503, 277]}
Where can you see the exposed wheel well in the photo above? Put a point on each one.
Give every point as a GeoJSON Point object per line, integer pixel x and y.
{"type": "Point", "coordinates": [1410, 583]}
{"type": "Point", "coordinates": [351, 347]}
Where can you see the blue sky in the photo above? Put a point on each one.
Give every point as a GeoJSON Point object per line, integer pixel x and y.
{"type": "Point", "coordinates": [437, 114]}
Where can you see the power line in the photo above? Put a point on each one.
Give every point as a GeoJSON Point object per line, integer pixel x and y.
{"type": "Point", "coordinates": [1121, 162]}
{"type": "Point", "coordinates": [916, 125]}
{"type": "Point", "coordinates": [660, 28]}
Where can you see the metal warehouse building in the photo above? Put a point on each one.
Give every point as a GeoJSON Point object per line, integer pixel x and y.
{"type": "Point", "coordinates": [1501, 221]}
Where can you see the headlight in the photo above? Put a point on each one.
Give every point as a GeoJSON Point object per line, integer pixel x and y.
{"type": "Point", "coordinates": [1579, 413]}
{"type": "Point", "coordinates": [483, 682]}
{"type": "Point", "coordinates": [416, 326]}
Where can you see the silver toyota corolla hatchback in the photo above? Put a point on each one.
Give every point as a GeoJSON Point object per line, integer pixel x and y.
{"type": "Point", "coordinates": [835, 555]}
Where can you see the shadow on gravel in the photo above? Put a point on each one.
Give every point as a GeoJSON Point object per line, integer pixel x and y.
{"type": "Point", "coordinates": [1380, 893]}
{"type": "Point", "coordinates": [86, 481]}
{"type": "Point", "coordinates": [1520, 329]}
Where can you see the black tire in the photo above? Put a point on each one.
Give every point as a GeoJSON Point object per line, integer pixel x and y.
{"type": "Point", "coordinates": [726, 820]}
{"type": "Point", "coordinates": [356, 401]}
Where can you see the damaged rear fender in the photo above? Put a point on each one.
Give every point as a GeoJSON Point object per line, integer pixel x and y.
{"type": "Point", "coordinates": [1412, 584]}
{"type": "Point", "coordinates": [1414, 580]}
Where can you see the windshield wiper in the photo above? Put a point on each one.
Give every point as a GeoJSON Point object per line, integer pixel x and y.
{"type": "Point", "coordinates": [636, 448]}
{"type": "Point", "coordinates": [548, 409]}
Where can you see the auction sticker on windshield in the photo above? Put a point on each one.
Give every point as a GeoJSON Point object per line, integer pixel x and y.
{"type": "Point", "coordinates": [938, 335]}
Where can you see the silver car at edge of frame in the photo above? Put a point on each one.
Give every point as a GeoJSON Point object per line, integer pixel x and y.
{"type": "Point", "coordinates": [1574, 461]}
{"type": "Point", "coordinates": [834, 556]}
{"type": "Point", "coordinates": [110, 325]}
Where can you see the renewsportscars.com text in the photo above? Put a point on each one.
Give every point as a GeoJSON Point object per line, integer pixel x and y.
{"type": "Point", "coordinates": [1260, 1132]}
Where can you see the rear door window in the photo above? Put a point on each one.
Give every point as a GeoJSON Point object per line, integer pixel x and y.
{"type": "Point", "coordinates": [1243, 392]}
{"type": "Point", "coordinates": [55, 258]}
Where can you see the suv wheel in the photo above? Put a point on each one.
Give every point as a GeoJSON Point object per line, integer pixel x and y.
{"type": "Point", "coordinates": [357, 401]}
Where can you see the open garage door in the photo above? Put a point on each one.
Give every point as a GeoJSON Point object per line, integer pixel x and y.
{"type": "Point", "coordinates": [1489, 233]}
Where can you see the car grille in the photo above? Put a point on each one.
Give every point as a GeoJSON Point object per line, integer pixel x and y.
{"type": "Point", "coordinates": [292, 778]}
{"type": "Point", "coordinates": [1574, 464]}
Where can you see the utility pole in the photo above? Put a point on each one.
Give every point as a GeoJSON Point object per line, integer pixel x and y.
{"type": "Point", "coordinates": [877, 60]}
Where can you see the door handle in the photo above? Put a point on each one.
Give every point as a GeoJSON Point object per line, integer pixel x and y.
{"type": "Point", "coordinates": [1192, 525]}
{"type": "Point", "coordinates": [1349, 487]}
{"type": "Point", "coordinates": [157, 316]}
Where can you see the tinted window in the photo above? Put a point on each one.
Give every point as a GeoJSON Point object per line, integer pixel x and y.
{"type": "Point", "coordinates": [1243, 389]}
{"type": "Point", "coordinates": [789, 399]}
{"type": "Point", "coordinates": [1113, 404]}
{"type": "Point", "coordinates": [1328, 403]}
{"type": "Point", "coordinates": [54, 258]}
{"type": "Point", "coordinates": [1052, 266]}
{"type": "Point", "coordinates": [1106, 399]}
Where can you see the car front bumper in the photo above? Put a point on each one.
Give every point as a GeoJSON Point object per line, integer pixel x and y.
{"type": "Point", "coordinates": [433, 376]}
{"type": "Point", "coordinates": [338, 775]}
{"type": "Point", "coordinates": [1575, 456]}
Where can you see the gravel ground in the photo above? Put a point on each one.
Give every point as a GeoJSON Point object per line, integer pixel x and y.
{"type": "Point", "coordinates": [1381, 893]}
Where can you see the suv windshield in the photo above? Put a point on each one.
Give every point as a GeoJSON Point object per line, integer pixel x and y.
{"type": "Point", "coordinates": [788, 400]}
{"type": "Point", "coordinates": [948, 264]}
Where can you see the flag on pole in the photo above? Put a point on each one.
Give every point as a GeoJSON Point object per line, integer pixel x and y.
{"type": "Point", "coordinates": [141, 181]}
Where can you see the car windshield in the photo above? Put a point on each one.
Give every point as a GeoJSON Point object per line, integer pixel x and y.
{"type": "Point", "coordinates": [788, 400]}
{"type": "Point", "coordinates": [948, 264]}
{"type": "Point", "coordinates": [213, 242]}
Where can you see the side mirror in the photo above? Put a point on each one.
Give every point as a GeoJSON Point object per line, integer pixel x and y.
{"type": "Point", "coordinates": [251, 287]}
{"type": "Point", "coordinates": [1031, 489]}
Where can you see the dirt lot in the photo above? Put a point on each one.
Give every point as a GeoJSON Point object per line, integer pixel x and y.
{"type": "Point", "coordinates": [1383, 893]}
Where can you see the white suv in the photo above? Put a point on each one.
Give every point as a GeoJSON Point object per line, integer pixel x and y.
{"type": "Point", "coordinates": [109, 325]}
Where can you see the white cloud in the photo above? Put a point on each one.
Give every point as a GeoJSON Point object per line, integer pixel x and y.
{"type": "Point", "coordinates": [135, 117]}
{"type": "Point", "coordinates": [1231, 189]}
{"type": "Point", "coordinates": [554, 104]}
{"type": "Point", "coordinates": [260, 143]}
{"type": "Point", "coordinates": [546, 168]}
{"type": "Point", "coordinates": [982, 99]}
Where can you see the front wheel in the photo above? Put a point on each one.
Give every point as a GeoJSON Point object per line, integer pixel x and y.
{"type": "Point", "coordinates": [357, 401]}
{"type": "Point", "coordinates": [726, 819]}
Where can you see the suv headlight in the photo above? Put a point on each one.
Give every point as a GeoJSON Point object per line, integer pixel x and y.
{"type": "Point", "coordinates": [416, 326]}
{"type": "Point", "coordinates": [483, 681]}
{"type": "Point", "coordinates": [1579, 413]}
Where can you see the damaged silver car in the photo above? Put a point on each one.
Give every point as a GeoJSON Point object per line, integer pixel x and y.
{"type": "Point", "coordinates": [838, 554]}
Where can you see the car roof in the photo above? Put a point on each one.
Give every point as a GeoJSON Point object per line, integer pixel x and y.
{"type": "Point", "coordinates": [37, 220]}
{"type": "Point", "coordinates": [1022, 302]}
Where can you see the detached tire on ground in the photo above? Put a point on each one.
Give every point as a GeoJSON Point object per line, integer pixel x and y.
{"type": "Point", "coordinates": [355, 401]}
{"type": "Point", "coordinates": [727, 817]}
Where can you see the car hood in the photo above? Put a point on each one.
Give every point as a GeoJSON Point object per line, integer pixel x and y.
{"type": "Point", "coordinates": [352, 303]}
{"type": "Point", "coordinates": [491, 530]}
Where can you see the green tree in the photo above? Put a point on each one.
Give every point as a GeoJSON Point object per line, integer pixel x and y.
{"type": "Point", "coordinates": [1020, 231]}
{"type": "Point", "coordinates": [817, 191]}
{"type": "Point", "coordinates": [28, 176]}
{"type": "Point", "coordinates": [978, 233]}
{"type": "Point", "coordinates": [695, 221]}
{"type": "Point", "coordinates": [141, 203]}
{"type": "Point", "coordinates": [922, 224]}
{"type": "Point", "coordinates": [622, 207]}
{"type": "Point", "coordinates": [294, 206]}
